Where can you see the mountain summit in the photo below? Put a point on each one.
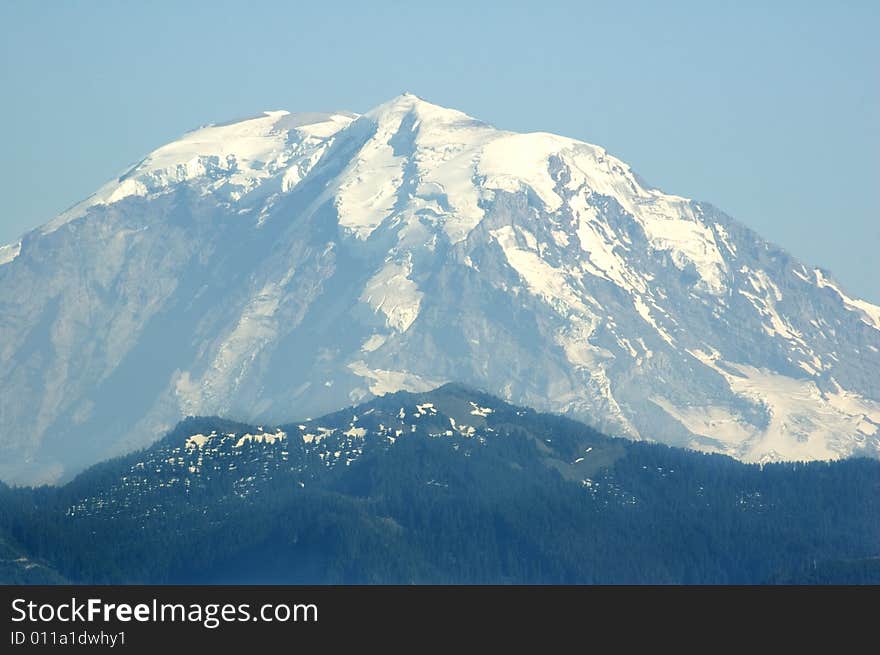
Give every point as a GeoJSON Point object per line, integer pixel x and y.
{"type": "Point", "coordinates": [291, 264]}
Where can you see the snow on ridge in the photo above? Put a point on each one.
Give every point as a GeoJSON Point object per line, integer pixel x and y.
{"type": "Point", "coordinates": [9, 252]}
{"type": "Point", "coordinates": [198, 441]}
{"type": "Point", "coordinates": [317, 124]}
{"type": "Point", "coordinates": [238, 155]}
{"type": "Point", "coordinates": [453, 160]}
{"type": "Point", "coordinates": [261, 437]}
{"type": "Point", "coordinates": [869, 313]}
{"type": "Point", "coordinates": [438, 160]}
{"type": "Point", "coordinates": [512, 161]}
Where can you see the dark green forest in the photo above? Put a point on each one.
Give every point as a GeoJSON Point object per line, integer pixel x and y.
{"type": "Point", "coordinates": [397, 492]}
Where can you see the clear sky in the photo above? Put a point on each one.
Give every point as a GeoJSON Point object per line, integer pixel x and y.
{"type": "Point", "coordinates": [770, 111]}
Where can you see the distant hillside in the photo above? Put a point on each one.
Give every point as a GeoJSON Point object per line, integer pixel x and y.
{"type": "Point", "coordinates": [449, 486]}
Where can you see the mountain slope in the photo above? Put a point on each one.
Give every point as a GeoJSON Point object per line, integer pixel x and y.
{"type": "Point", "coordinates": [448, 486]}
{"type": "Point", "coordinates": [298, 263]}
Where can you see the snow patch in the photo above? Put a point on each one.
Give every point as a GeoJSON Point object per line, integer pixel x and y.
{"type": "Point", "coordinates": [805, 422]}
{"type": "Point", "coordinates": [645, 313]}
{"type": "Point", "coordinates": [261, 437]}
{"type": "Point", "coordinates": [9, 252]}
{"type": "Point", "coordinates": [480, 411]}
{"type": "Point", "coordinates": [198, 441]}
{"type": "Point", "coordinates": [426, 409]}
{"type": "Point", "coordinates": [373, 343]}
{"type": "Point", "coordinates": [384, 381]}
{"type": "Point", "coordinates": [725, 239]}
{"type": "Point", "coordinates": [802, 276]}
{"type": "Point", "coordinates": [712, 421]}
{"type": "Point", "coordinates": [392, 292]}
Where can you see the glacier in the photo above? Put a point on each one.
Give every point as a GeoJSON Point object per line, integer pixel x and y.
{"type": "Point", "coordinates": [291, 264]}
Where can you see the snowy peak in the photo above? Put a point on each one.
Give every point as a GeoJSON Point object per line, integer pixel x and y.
{"type": "Point", "coordinates": [418, 161]}
{"type": "Point", "coordinates": [443, 166]}
{"type": "Point", "coordinates": [408, 104]}
{"type": "Point", "coordinates": [295, 263]}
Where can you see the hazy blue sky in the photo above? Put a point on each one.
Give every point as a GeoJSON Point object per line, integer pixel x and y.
{"type": "Point", "coordinates": [770, 113]}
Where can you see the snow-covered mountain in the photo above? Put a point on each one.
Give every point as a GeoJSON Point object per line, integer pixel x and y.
{"type": "Point", "coordinates": [292, 264]}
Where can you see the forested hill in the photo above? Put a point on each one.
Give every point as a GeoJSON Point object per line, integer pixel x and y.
{"type": "Point", "coordinates": [449, 486]}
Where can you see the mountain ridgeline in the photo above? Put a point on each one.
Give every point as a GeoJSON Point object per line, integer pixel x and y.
{"type": "Point", "coordinates": [314, 261]}
{"type": "Point", "coordinates": [448, 486]}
